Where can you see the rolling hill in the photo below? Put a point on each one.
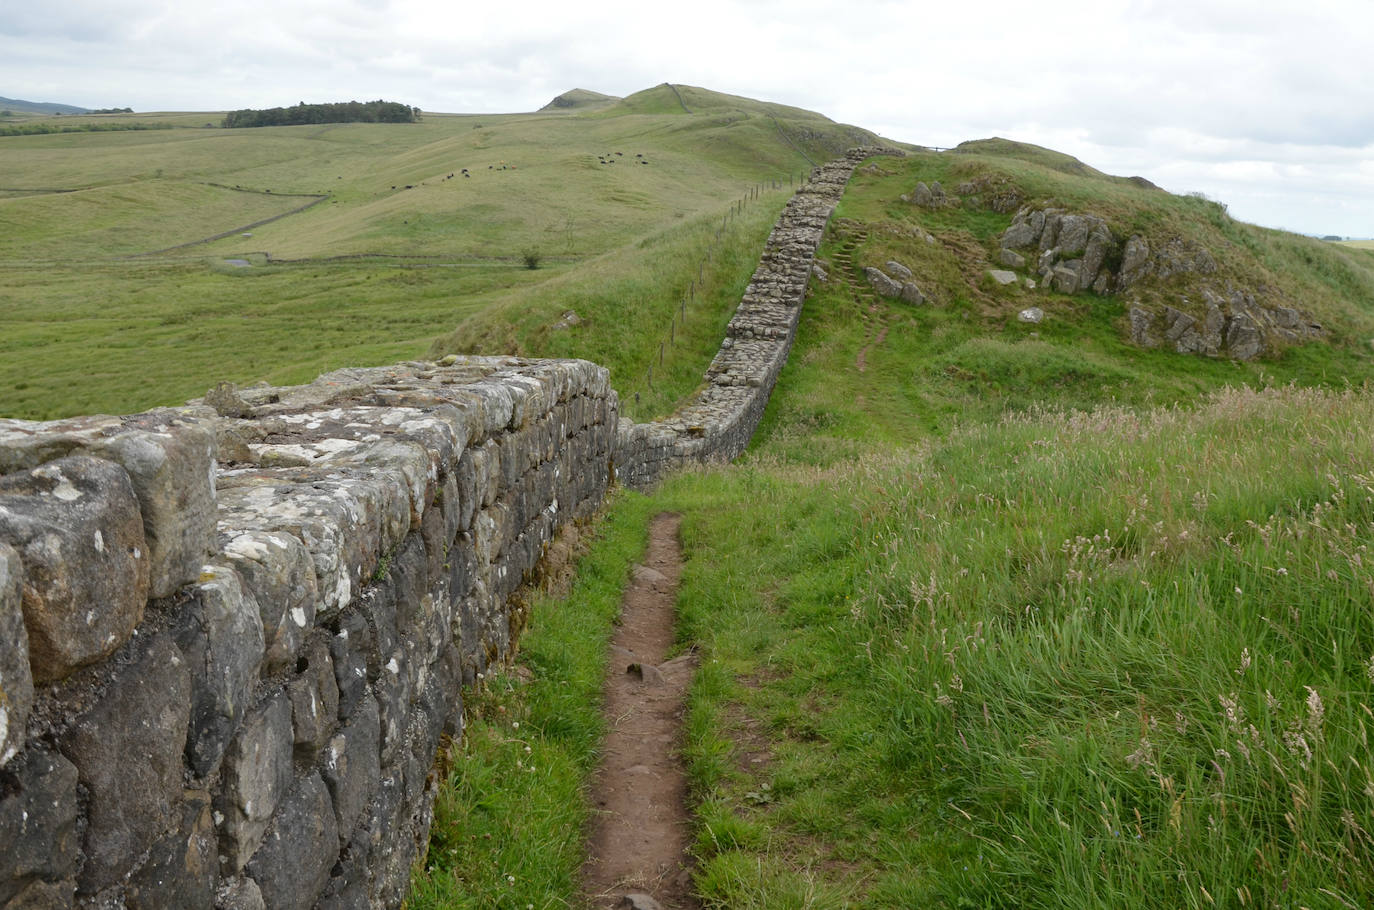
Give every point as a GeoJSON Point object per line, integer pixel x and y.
{"type": "Point", "coordinates": [39, 107]}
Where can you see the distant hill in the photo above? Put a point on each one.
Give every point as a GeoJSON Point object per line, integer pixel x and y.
{"type": "Point", "coordinates": [578, 99]}
{"type": "Point", "coordinates": [39, 107]}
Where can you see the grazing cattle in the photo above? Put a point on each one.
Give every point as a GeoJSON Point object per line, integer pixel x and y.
{"type": "Point", "coordinates": [466, 174]}
{"type": "Point", "coordinates": [620, 153]}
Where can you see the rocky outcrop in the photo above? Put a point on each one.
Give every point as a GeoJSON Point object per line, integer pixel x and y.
{"type": "Point", "coordinates": [1076, 252]}
{"type": "Point", "coordinates": [1233, 325]}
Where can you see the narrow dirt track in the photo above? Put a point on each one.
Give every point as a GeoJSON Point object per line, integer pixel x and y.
{"type": "Point", "coordinates": [639, 834]}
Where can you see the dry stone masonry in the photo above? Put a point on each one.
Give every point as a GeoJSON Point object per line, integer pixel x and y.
{"type": "Point", "coordinates": [718, 423]}
{"type": "Point", "coordinates": [233, 634]}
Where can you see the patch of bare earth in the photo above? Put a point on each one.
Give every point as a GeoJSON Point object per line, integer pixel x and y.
{"type": "Point", "coordinates": [640, 828]}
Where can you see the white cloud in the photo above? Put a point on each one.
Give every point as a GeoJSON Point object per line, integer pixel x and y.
{"type": "Point", "coordinates": [1261, 103]}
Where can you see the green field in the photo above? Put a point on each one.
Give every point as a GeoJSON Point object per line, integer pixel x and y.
{"type": "Point", "coordinates": [116, 299]}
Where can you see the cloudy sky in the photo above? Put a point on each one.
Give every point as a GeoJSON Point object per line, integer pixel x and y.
{"type": "Point", "coordinates": [1266, 105]}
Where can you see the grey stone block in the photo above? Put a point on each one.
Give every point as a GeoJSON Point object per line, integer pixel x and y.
{"type": "Point", "coordinates": [277, 569]}
{"type": "Point", "coordinates": [180, 869]}
{"type": "Point", "coordinates": [292, 865]}
{"type": "Point", "coordinates": [219, 631]}
{"type": "Point", "coordinates": [346, 648]}
{"type": "Point", "coordinates": [314, 696]}
{"type": "Point", "coordinates": [127, 749]}
{"type": "Point", "coordinates": [76, 526]}
{"type": "Point", "coordinates": [351, 766]}
{"type": "Point", "coordinates": [255, 777]}
{"type": "Point", "coordinates": [38, 821]}
{"type": "Point", "coordinates": [16, 682]}
{"type": "Point", "coordinates": [170, 460]}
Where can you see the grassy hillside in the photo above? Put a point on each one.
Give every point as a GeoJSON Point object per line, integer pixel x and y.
{"type": "Point", "coordinates": [118, 300]}
{"type": "Point", "coordinates": [1013, 615]}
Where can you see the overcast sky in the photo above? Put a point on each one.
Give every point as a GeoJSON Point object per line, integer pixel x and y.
{"type": "Point", "coordinates": [1266, 105]}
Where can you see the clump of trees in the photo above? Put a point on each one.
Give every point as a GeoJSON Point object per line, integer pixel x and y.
{"type": "Point", "coordinates": [43, 128]}
{"type": "Point", "coordinates": [339, 112]}
{"type": "Point", "coordinates": [113, 110]}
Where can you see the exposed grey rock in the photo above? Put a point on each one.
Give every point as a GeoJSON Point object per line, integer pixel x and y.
{"type": "Point", "coordinates": [937, 192]}
{"type": "Point", "coordinates": [1065, 276]}
{"type": "Point", "coordinates": [1011, 259]}
{"type": "Point", "coordinates": [1074, 230]}
{"type": "Point", "coordinates": [1134, 258]}
{"type": "Point", "coordinates": [350, 670]}
{"type": "Point", "coordinates": [1143, 327]}
{"type": "Point", "coordinates": [16, 681]}
{"type": "Point", "coordinates": [1031, 314]}
{"type": "Point", "coordinates": [292, 865]}
{"type": "Point", "coordinates": [220, 633]}
{"type": "Point", "coordinates": [1243, 338]}
{"type": "Point", "coordinates": [922, 195]}
{"type": "Point", "coordinates": [912, 294]}
{"type": "Point", "coordinates": [882, 283]}
{"type": "Point", "coordinates": [127, 750]}
{"type": "Point", "coordinates": [819, 272]}
{"type": "Point", "coordinates": [256, 774]}
{"type": "Point", "coordinates": [38, 820]}
{"type": "Point", "coordinates": [1001, 276]}
{"type": "Point", "coordinates": [76, 526]}
{"type": "Point", "coordinates": [638, 901]}
{"type": "Point", "coordinates": [314, 697]}
{"type": "Point", "coordinates": [1098, 244]}
{"type": "Point", "coordinates": [180, 869]}
{"type": "Point", "coordinates": [898, 270]}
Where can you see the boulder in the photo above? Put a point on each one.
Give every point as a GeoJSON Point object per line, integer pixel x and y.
{"type": "Point", "coordinates": [898, 270]}
{"type": "Point", "coordinates": [912, 294]}
{"type": "Point", "coordinates": [922, 195]}
{"type": "Point", "coordinates": [1033, 315]}
{"type": "Point", "coordinates": [1065, 276]}
{"type": "Point", "coordinates": [16, 681]}
{"type": "Point", "coordinates": [76, 525]}
{"type": "Point", "coordinates": [882, 283]}
{"type": "Point", "coordinates": [1135, 256]}
{"type": "Point", "coordinates": [1011, 259]}
{"type": "Point", "coordinates": [1243, 338]}
{"type": "Point", "coordinates": [1002, 276]}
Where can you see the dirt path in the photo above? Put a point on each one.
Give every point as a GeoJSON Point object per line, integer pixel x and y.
{"type": "Point", "coordinates": [639, 835]}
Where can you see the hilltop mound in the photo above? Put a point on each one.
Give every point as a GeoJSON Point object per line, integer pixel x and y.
{"type": "Point", "coordinates": [578, 99]}
{"type": "Point", "coordinates": [40, 107]}
{"type": "Point", "coordinates": [668, 98]}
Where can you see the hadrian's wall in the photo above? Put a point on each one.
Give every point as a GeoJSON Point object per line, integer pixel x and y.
{"type": "Point", "coordinates": [233, 635]}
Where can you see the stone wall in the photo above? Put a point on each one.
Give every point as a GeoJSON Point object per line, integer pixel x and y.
{"type": "Point", "coordinates": [233, 634]}
{"type": "Point", "coordinates": [719, 422]}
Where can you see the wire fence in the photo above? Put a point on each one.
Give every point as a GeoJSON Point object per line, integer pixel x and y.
{"type": "Point", "coordinates": [678, 315]}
